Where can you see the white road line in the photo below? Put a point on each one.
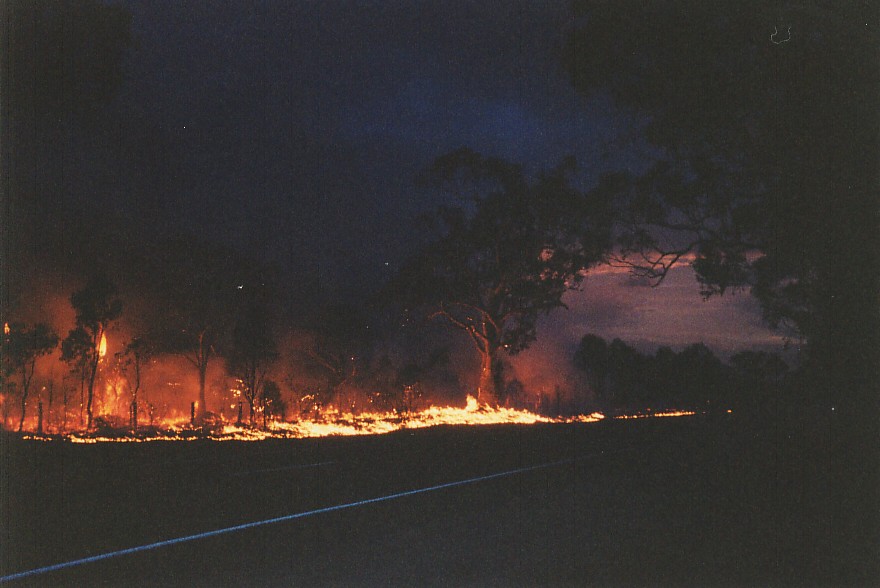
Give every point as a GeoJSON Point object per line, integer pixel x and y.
{"type": "Point", "coordinates": [290, 517]}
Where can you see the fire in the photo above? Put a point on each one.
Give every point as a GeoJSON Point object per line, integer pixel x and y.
{"type": "Point", "coordinates": [5, 328]}
{"type": "Point", "coordinates": [102, 346]}
{"type": "Point", "coordinates": [472, 404]}
{"type": "Point", "coordinates": [332, 422]}
{"type": "Point", "coordinates": [669, 413]}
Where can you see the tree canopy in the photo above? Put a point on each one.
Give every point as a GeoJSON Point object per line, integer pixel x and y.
{"type": "Point", "coordinates": [97, 305]}
{"type": "Point", "coordinates": [21, 346]}
{"type": "Point", "coordinates": [505, 253]}
{"type": "Point", "coordinates": [761, 128]}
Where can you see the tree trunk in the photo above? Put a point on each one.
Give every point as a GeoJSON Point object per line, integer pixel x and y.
{"type": "Point", "coordinates": [203, 373]}
{"type": "Point", "coordinates": [488, 391]}
{"type": "Point", "coordinates": [23, 408]}
{"type": "Point", "coordinates": [82, 391]}
{"type": "Point", "coordinates": [91, 393]}
{"type": "Point", "coordinates": [49, 419]}
{"type": "Point", "coordinates": [65, 392]}
{"type": "Point", "coordinates": [25, 385]}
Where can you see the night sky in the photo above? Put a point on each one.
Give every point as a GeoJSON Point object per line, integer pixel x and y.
{"type": "Point", "coordinates": [295, 133]}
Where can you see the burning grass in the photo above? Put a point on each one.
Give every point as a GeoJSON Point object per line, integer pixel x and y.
{"type": "Point", "coordinates": [338, 424]}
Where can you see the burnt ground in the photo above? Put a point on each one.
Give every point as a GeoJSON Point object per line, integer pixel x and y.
{"type": "Point", "coordinates": [687, 501]}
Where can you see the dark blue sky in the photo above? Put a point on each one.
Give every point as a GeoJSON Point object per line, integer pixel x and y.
{"type": "Point", "coordinates": [301, 126]}
{"type": "Point", "coordinates": [295, 131]}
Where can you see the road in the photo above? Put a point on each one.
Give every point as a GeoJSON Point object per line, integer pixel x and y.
{"type": "Point", "coordinates": [680, 501]}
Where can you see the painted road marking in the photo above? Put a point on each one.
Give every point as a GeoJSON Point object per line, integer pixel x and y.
{"type": "Point", "coordinates": [291, 517]}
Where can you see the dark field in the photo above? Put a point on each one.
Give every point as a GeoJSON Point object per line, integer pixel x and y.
{"type": "Point", "coordinates": [687, 501]}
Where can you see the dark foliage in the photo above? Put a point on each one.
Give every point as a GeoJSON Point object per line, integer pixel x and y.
{"type": "Point", "coordinates": [21, 346]}
{"type": "Point", "coordinates": [252, 348]}
{"type": "Point", "coordinates": [623, 379]}
{"type": "Point", "coordinates": [764, 127]}
{"type": "Point", "coordinates": [504, 255]}
{"type": "Point", "coordinates": [97, 306]}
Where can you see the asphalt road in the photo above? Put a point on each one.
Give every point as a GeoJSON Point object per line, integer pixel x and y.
{"type": "Point", "coordinates": [662, 502]}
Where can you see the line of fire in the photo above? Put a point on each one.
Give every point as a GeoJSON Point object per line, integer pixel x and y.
{"type": "Point", "coordinates": [224, 369]}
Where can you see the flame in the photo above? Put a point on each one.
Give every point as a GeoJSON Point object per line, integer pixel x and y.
{"type": "Point", "coordinates": [333, 422]}
{"type": "Point", "coordinates": [472, 404]}
{"type": "Point", "coordinates": [5, 328]}
{"type": "Point", "coordinates": [669, 413]}
{"type": "Point", "coordinates": [102, 346]}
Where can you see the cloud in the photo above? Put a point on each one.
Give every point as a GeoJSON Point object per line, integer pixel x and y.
{"type": "Point", "coordinates": [674, 314]}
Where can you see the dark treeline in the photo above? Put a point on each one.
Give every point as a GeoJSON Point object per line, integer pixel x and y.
{"type": "Point", "coordinates": [626, 380]}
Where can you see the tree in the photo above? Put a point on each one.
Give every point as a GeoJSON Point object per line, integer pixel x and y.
{"type": "Point", "coordinates": [337, 352]}
{"type": "Point", "coordinates": [96, 306]}
{"type": "Point", "coordinates": [759, 375]}
{"type": "Point", "coordinates": [252, 351]}
{"type": "Point", "coordinates": [503, 255]}
{"type": "Point", "coordinates": [763, 148]}
{"type": "Point", "coordinates": [76, 352]}
{"type": "Point", "coordinates": [271, 402]}
{"type": "Point", "coordinates": [202, 285]}
{"type": "Point", "coordinates": [592, 356]}
{"type": "Point", "coordinates": [133, 359]}
{"type": "Point", "coordinates": [702, 380]}
{"type": "Point", "coordinates": [764, 131]}
{"type": "Point", "coordinates": [20, 350]}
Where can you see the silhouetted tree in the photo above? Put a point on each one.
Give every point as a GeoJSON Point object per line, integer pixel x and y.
{"type": "Point", "coordinates": [20, 349]}
{"type": "Point", "coordinates": [764, 137]}
{"type": "Point", "coordinates": [133, 359]}
{"type": "Point", "coordinates": [337, 352]}
{"type": "Point", "coordinates": [504, 255]}
{"type": "Point", "coordinates": [702, 377]}
{"type": "Point", "coordinates": [76, 352]}
{"type": "Point", "coordinates": [764, 130]}
{"type": "Point", "coordinates": [272, 403]}
{"type": "Point", "coordinates": [592, 356]}
{"type": "Point", "coordinates": [96, 306]}
{"type": "Point", "coordinates": [202, 288]}
{"type": "Point", "coordinates": [252, 350]}
{"type": "Point", "coordinates": [759, 375]}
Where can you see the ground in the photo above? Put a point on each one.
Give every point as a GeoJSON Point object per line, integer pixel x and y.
{"type": "Point", "coordinates": [685, 501]}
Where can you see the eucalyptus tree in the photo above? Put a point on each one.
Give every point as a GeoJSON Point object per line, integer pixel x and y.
{"type": "Point", "coordinates": [504, 251]}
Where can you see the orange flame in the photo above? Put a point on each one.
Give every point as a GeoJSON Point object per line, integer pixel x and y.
{"type": "Point", "coordinates": [102, 346]}
{"type": "Point", "coordinates": [5, 328]}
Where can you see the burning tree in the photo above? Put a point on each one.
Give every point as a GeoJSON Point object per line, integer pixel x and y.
{"type": "Point", "coordinates": [505, 254]}
{"type": "Point", "coordinates": [96, 306]}
{"type": "Point", "coordinates": [20, 349]}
